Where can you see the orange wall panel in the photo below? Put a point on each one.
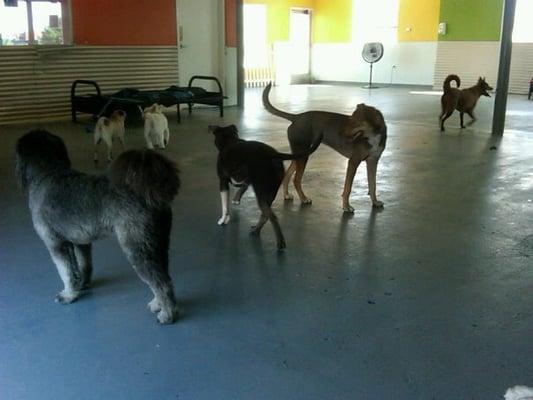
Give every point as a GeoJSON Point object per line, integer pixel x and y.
{"type": "Point", "coordinates": [124, 22]}
{"type": "Point", "coordinates": [230, 8]}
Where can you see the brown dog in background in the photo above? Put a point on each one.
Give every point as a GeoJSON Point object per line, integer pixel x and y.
{"type": "Point", "coordinates": [361, 136]}
{"type": "Point", "coordinates": [462, 100]}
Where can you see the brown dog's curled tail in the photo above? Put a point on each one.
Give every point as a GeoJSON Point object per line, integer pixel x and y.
{"type": "Point", "coordinates": [273, 110]}
{"type": "Point", "coordinates": [446, 86]}
{"type": "Point", "coordinates": [147, 174]}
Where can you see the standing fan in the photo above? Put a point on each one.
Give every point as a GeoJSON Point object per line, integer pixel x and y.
{"type": "Point", "coordinates": [372, 52]}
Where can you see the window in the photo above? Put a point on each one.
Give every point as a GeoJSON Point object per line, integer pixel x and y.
{"type": "Point", "coordinates": [30, 22]}
{"type": "Point", "coordinates": [375, 21]}
{"type": "Point", "coordinates": [523, 29]}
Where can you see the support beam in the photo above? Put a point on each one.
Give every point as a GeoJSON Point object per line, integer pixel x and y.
{"type": "Point", "coordinates": [240, 53]}
{"type": "Point", "coordinates": [31, 33]}
{"type": "Point", "coordinates": [502, 85]}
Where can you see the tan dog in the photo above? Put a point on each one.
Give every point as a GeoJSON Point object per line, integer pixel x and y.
{"type": "Point", "coordinates": [464, 100]}
{"type": "Point", "coordinates": [359, 137]}
{"type": "Point", "coordinates": [155, 127]}
{"type": "Point", "coordinates": [108, 128]}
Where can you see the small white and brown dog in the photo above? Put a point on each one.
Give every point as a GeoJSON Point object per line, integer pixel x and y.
{"type": "Point", "coordinates": [156, 130]}
{"type": "Point", "coordinates": [108, 128]}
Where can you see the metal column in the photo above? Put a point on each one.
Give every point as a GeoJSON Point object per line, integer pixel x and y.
{"type": "Point", "coordinates": [502, 85]}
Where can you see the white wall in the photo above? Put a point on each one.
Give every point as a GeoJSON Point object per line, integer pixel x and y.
{"type": "Point", "coordinates": [230, 76]}
{"type": "Point", "coordinates": [470, 60]}
{"type": "Point", "coordinates": [415, 63]}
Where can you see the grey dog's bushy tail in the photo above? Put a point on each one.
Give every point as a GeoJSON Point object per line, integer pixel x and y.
{"type": "Point", "coordinates": [446, 86]}
{"type": "Point", "coordinates": [147, 174]}
{"type": "Point", "coordinates": [273, 110]}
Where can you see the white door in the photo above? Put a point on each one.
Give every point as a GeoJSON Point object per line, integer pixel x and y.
{"type": "Point", "coordinates": [300, 43]}
{"type": "Point", "coordinates": [200, 39]}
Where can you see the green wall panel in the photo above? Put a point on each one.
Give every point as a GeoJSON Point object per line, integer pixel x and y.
{"type": "Point", "coordinates": [471, 20]}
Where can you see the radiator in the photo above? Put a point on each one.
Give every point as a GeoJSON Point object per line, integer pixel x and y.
{"type": "Point", "coordinates": [258, 77]}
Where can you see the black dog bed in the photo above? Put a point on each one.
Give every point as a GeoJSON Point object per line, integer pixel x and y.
{"type": "Point", "coordinates": [130, 99]}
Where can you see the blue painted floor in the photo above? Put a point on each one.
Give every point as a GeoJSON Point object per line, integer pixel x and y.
{"type": "Point", "coordinates": [430, 298]}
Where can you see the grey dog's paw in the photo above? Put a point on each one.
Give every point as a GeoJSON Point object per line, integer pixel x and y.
{"type": "Point", "coordinates": [82, 284]}
{"type": "Point", "coordinates": [165, 317]}
{"type": "Point", "coordinates": [154, 306]}
{"type": "Point", "coordinates": [66, 297]}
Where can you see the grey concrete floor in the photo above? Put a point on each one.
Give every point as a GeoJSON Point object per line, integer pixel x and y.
{"type": "Point", "coordinates": [430, 298]}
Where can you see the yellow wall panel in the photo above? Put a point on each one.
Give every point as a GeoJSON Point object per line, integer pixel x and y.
{"type": "Point", "coordinates": [418, 20]}
{"type": "Point", "coordinates": [278, 16]}
{"type": "Point", "coordinates": [332, 21]}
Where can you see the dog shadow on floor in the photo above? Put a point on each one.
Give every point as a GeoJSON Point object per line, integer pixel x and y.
{"type": "Point", "coordinates": [102, 281]}
{"type": "Point", "coordinates": [347, 226]}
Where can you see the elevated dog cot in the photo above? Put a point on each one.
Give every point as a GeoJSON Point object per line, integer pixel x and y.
{"type": "Point", "coordinates": [129, 100]}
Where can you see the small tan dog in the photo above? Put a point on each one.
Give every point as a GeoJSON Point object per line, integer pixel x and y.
{"type": "Point", "coordinates": [155, 127]}
{"type": "Point", "coordinates": [108, 128]}
{"type": "Point", "coordinates": [462, 100]}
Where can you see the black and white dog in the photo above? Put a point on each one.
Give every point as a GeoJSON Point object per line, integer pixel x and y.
{"type": "Point", "coordinates": [71, 209]}
{"type": "Point", "coordinates": [243, 163]}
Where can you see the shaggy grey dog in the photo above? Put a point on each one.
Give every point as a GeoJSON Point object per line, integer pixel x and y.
{"type": "Point", "coordinates": [71, 209]}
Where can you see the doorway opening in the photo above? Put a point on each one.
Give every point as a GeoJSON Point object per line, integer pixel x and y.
{"type": "Point", "coordinates": [300, 45]}
{"type": "Point", "coordinates": [258, 69]}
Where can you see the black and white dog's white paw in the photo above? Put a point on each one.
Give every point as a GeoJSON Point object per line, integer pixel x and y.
{"type": "Point", "coordinates": [236, 202]}
{"type": "Point", "coordinates": [224, 220]}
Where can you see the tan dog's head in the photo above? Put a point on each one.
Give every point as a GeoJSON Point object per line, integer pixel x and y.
{"type": "Point", "coordinates": [154, 108]}
{"type": "Point", "coordinates": [118, 115]}
{"type": "Point", "coordinates": [365, 120]}
{"type": "Point", "coordinates": [484, 86]}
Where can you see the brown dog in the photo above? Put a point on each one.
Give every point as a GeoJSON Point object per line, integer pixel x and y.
{"type": "Point", "coordinates": [464, 100]}
{"type": "Point", "coordinates": [361, 136]}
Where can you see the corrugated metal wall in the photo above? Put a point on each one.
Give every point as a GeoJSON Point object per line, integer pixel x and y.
{"type": "Point", "coordinates": [521, 68]}
{"type": "Point", "coordinates": [35, 81]}
{"type": "Point", "coordinates": [470, 60]}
